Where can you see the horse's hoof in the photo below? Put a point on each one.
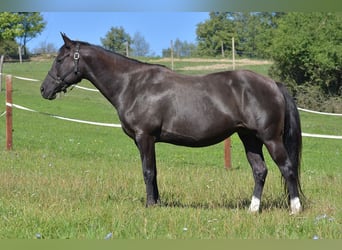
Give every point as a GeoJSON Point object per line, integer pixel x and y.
{"type": "Point", "coordinates": [152, 203]}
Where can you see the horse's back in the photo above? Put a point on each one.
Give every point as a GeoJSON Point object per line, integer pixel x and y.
{"type": "Point", "coordinates": [200, 111]}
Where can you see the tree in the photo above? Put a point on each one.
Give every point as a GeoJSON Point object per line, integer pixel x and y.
{"type": "Point", "coordinates": [253, 32]}
{"type": "Point", "coordinates": [10, 26]}
{"type": "Point", "coordinates": [45, 48]}
{"type": "Point", "coordinates": [139, 45]}
{"type": "Point", "coordinates": [166, 52]}
{"type": "Point", "coordinates": [20, 25]}
{"type": "Point", "coordinates": [116, 40]}
{"type": "Point", "coordinates": [32, 24]}
{"type": "Point", "coordinates": [307, 50]}
{"type": "Point", "coordinates": [214, 35]}
{"type": "Point", "coordinates": [9, 48]}
{"type": "Point", "coordinates": [265, 29]}
{"type": "Point", "coordinates": [181, 49]}
{"type": "Point", "coordinates": [184, 49]}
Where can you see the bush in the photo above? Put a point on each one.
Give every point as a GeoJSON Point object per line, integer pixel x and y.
{"type": "Point", "coordinates": [9, 48]}
{"type": "Point", "coordinates": [307, 51]}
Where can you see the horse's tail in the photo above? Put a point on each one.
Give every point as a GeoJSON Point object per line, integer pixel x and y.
{"type": "Point", "coordinates": [292, 134]}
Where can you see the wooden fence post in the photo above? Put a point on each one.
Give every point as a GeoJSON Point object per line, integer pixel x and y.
{"type": "Point", "coordinates": [9, 101]}
{"type": "Point", "coordinates": [172, 55]}
{"type": "Point", "coordinates": [127, 49]}
{"type": "Point", "coordinates": [227, 154]}
{"type": "Point", "coordinates": [227, 142]}
{"type": "Point", "coordinates": [1, 63]}
{"type": "Point", "coordinates": [20, 54]}
{"type": "Point", "coordinates": [233, 52]}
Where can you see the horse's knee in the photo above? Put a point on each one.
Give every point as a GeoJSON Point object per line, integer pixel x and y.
{"type": "Point", "coordinates": [260, 174]}
{"type": "Point", "coordinates": [149, 175]}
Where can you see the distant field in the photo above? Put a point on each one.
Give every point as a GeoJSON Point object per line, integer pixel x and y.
{"type": "Point", "coordinates": [66, 180]}
{"type": "Point", "coordinates": [207, 65]}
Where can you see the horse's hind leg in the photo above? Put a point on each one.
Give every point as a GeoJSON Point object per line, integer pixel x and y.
{"type": "Point", "coordinates": [279, 154]}
{"type": "Point", "coordinates": [253, 148]}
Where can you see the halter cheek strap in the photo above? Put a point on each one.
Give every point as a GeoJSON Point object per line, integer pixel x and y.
{"type": "Point", "coordinates": [76, 58]}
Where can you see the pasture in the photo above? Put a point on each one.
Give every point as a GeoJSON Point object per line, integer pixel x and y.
{"type": "Point", "coordinates": [67, 180]}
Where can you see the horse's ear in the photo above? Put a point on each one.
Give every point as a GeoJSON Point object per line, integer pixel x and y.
{"type": "Point", "coordinates": [67, 40]}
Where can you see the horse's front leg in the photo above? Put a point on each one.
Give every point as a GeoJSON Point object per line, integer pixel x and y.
{"type": "Point", "coordinates": [146, 148]}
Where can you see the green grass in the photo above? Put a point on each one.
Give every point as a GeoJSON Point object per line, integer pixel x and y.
{"type": "Point", "coordinates": [69, 180]}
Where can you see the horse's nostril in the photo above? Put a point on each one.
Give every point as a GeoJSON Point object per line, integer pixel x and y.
{"type": "Point", "coordinates": [41, 89]}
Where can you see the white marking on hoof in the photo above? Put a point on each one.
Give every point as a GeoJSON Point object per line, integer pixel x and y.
{"type": "Point", "coordinates": [255, 205]}
{"type": "Point", "coordinates": [296, 207]}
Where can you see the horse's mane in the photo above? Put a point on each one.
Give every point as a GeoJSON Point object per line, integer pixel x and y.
{"type": "Point", "coordinates": [118, 54]}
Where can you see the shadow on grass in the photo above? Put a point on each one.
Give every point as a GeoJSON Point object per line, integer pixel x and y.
{"type": "Point", "coordinates": [243, 203]}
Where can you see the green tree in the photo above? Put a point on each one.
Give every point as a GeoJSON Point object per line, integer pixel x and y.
{"type": "Point", "coordinates": [214, 35]}
{"type": "Point", "coordinates": [32, 24]}
{"type": "Point", "coordinates": [22, 26]}
{"type": "Point", "coordinates": [10, 26]}
{"type": "Point", "coordinates": [116, 40]}
{"type": "Point", "coordinates": [253, 32]}
{"type": "Point", "coordinates": [307, 50]}
{"type": "Point", "coordinates": [265, 29]}
{"type": "Point", "coordinates": [9, 48]}
{"type": "Point", "coordinates": [181, 49]}
{"type": "Point", "coordinates": [184, 49]}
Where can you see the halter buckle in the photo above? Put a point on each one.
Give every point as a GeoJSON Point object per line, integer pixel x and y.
{"type": "Point", "coordinates": [76, 55]}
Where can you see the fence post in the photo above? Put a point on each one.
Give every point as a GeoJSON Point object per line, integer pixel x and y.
{"type": "Point", "coordinates": [227, 142]}
{"type": "Point", "coordinates": [9, 126]}
{"type": "Point", "coordinates": [1, 63]}
{"type": "Point", "coordinates": [127, 49]}
{"type": "Point", "coordinates": [171, 54]}
{"type": "Point", "coordinates": [233, 52]}
{"type": "Point", "coordinates": [20, 54]}
{"type": "Point", "coordinates": [227, 154]}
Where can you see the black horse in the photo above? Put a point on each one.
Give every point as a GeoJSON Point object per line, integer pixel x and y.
{"type": "Point", "coordinates": [155, 104]}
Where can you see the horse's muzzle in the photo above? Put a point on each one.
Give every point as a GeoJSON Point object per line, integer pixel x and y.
{"type": "Point", "coordinates": [50, 96]}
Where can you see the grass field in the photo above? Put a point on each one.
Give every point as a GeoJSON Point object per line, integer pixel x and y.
{"type": "Point", "coordinates": [69, 180]}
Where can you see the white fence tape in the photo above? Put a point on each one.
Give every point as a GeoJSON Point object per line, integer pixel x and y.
{"type": "Point", "coordinates": [88, 122]}
{"type": "Point", "coordinates": [35, 80]}
{"type": "Point", "coordinates": [119, 125]}
{"type": "Point", "coordinates": [95, 90]}
{"type": "Point", "coordinates": [84, 88]}
{"type": "Point", "coordinates": [65, 118]}
{"type": "Point", "coordinates": [319, 113]}
{"type": "Point", "coordinates": [322, 136]}
{"type": "Point", "coordinates": [23, 78]}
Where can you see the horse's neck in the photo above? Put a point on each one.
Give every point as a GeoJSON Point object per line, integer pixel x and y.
{"type": "Point", "coordinates": [109, 73]}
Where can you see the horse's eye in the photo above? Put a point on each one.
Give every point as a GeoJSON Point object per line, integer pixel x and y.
{"type": "Point", "coordinates": [60, 59]}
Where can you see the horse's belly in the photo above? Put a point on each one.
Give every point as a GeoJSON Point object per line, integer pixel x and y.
{"type": "Point", "coordinates": [197, 134]}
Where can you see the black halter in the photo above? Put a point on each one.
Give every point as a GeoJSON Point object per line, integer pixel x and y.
{"type": "Point", "coordinates": [60, 81]}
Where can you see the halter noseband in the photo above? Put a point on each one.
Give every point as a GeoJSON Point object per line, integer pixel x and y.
{"type": "Point", "coordinates": [60, 81]}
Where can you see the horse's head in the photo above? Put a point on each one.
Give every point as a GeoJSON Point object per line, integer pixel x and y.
{"type": "Point", "coordinates": [64, 71]}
